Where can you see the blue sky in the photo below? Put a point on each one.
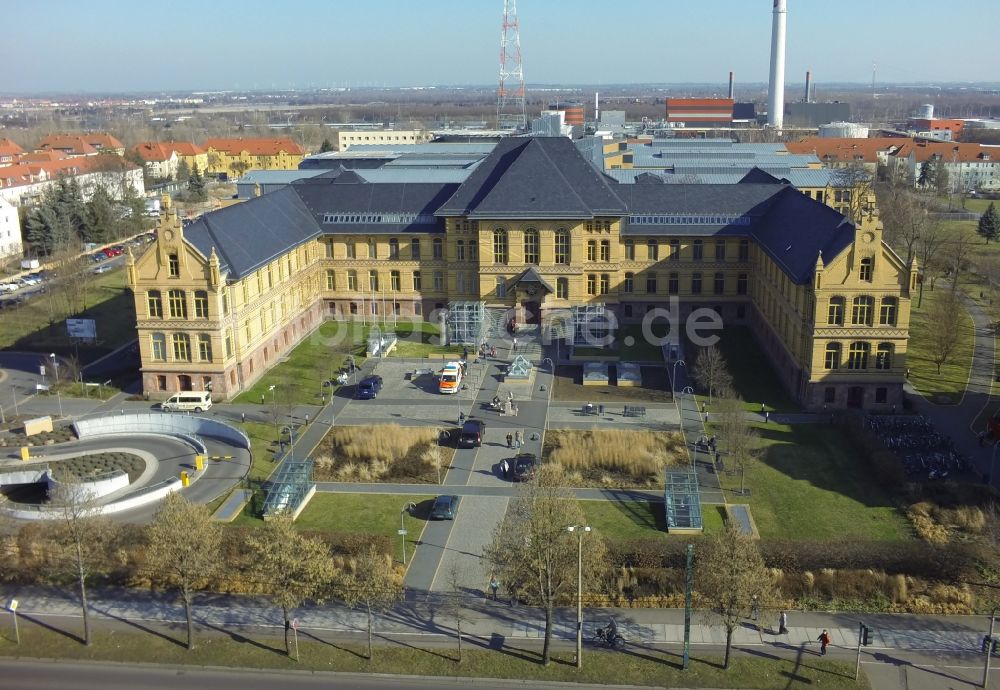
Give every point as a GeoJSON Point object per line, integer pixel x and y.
{"type": "Point", "coordinates": [129, 45]}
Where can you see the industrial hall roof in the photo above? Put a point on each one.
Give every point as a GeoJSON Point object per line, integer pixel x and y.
{"type": "Point", "coordinates": [529, 178]}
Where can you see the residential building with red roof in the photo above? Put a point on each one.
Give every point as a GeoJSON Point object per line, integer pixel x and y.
{"type": "Point", "coordinates": [190, 153]}
{"type": "Point", "coordinates": [9, 152]}
{"type": "Point", "coordinates": [233, 157]}
{"type": "Point", "coordinates": [25, 183]}
{"type": "Point", "coordinates": [159, 160]}
{"type": "Point", "coordinates": [970, 166]}
{"type": "Point", "coordinates": [82, 144]}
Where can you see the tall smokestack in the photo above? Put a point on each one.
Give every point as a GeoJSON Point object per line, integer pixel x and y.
{"type": "Point", "coordinates": [776, 87]}
{"type": "Point", "coordinates": [731, 92]}
{"type": "Point", "coordinates": [597, 106]}
{"type": "Point", "coordinates": [808, 86]}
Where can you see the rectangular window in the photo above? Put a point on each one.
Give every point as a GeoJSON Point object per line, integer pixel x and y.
{"type": "Point", "coordinates": [473, 250]}
{"type": "Point", "coordinates": [204, 348]}
{"type": "Point", "coordinates": [652, 250]}
{"type": "Point", "coordinates": [605, 250]}
{"type": "Point", "coordinates": [159, 347]}
{"type": "Point", "coordinates": [741, 284]}
{"type": "Point", "coordinates": [415, 248]}
{"type": "Point", "coordinates": [373, 280]}
{"type": "Point", "coordinates": [744, 250]}
{"type": "Point", "coordinates": [352, 281]}
{"type": "Point", "coordinates": [460, 283]}
{"type": "Point", "coordinates": [562, 247]}
{"type": "Point", "coordinates": [331, 280]}
{"type": "Point", "coordinates": [675, 250]}
{"type": "Point", "coordinates": [881, 394]}
{"type": "Point", "coordinates": [501, 286]}
{"type": "Point", "coordinates": [229, 343]}
{"type": "Point", "coordinates": [696, 284]}
{"type": "Point", "coordinates": [182, 351]}
{"type": "Point", "coordinates": [673, 284]}
{"type": "Point", "coordinates": [627, 311]}
{"type": "Point", "coordinates": [154, 304]}
{"type": "Point", "coordinates": [394, 281]}
{"type": "Point", "coordinates": [173, 265]}
{"type": "Point", "coordinates": [651, 284]}
{"type": "Point", "coordinates": [372, 249]}
{"type": "Point", "coordinates": [437, 248]}
{"type": "Point", "coordinates": [698, 250]}
{"type": "Point", "coordinates": [460, 250]}
{"type": "Point", "coordinates": [720, 250]}
{"type": "Point", "coordinates": [629, 250]}
{"type": "Point", "coordinates": [352, 253]}
{"type": "Point", "coordinates": [830, 394]}
{"type": "Point", "coordinates": [605, 283]}
{"type": "Point", "coordinates": [719, 285]}
{"type": "Point", "coordinates": [629, 285]}
{"type": "Point", "coordinates": [438, 281]}
{"type": "Point", "coordinates": [416, 281]}
{"type": "Point", "coordinates": [201, 304]}
{"type": "Point", "coordinates": [591, 284]}
{"type": "Point", "coordinates": [562, 288]}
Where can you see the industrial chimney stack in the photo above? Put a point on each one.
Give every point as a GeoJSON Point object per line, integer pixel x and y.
{"type": "Point", "coordinates": [731, 91]}
{"type": "Point", "coordinates": [808, 86]}
{"type": "Point", "coordinates": [776, 87]}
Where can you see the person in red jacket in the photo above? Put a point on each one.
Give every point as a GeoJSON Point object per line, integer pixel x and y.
{"type": "Point", "coordinates": [824, 640]}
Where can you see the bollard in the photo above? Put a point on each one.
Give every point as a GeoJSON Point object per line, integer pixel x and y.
{"type": "Point", "coordinates": [199, 463]}
{"type": "Point", "coordinates": [25, 455]}
{"type": "Point", "coordinates": [185, 479]}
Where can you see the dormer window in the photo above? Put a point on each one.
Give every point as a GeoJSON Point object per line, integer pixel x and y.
{"type": "Point", "coordinates": [866, 269]}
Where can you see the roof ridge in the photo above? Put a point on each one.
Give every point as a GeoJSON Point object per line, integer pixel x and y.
{"type": "Point", "coordinates": [561, 175]}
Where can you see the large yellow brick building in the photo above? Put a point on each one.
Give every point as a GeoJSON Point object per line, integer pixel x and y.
{"type": "Point", "coordinates": [536, 228]}
{"type": "Point", "coordinates": [233, 157]}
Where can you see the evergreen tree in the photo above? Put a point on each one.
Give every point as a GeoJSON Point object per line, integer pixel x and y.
{"type": "Point", "coordinates": [989, 224]}
{"type": "Point", "coordinates": [102, 218]}
{"type": "Point", "coordinates": [183, 171]}
{"type": "Point", "coordinates": [325, 146]}
{"type": "Point", "coordinates": [940, 176]}
{"type": "Point", "coordinates": [196, 185]}
{"type": "Point", "coordinates": [60, 218]}
{"type": "Point", "coordinates": [926, 174]}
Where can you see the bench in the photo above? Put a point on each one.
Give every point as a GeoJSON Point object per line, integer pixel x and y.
{"type": "Point", "coordinates": [634, 411]}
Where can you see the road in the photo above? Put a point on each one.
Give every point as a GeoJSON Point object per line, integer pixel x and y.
{"type": "Point", "coordinates": [46, 675]}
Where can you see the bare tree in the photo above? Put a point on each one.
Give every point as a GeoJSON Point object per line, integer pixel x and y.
{"type": "Point", "coordinates": [956, 254]}
{"type": "Point", "coordinates": [732, 579]}
{"type": "Point", "coordinates": [183, 550]}
{"type": "Point", "coordinates": [905, 220]}
{"type": "Point", "coordinates": [739, 437]}
{"type": "Point", "coordinates": [533, 551]}
{"type": "Point", "coordinates": [947, 315]}
{"type": "Point", "coordinates": [858, 183]}
{"type": "Point", "coordinates": [454, 606]}
{"type": "Point", "coordinates": [373, 583]}
{"type": "Point", "coordinates": [290, 567]}
{"type": "Point", "coordinates": [928, 248]}
{"type": "Point", "coordinates": [81, 538]}
{"type": "Point", "coordinates": [711, 372]}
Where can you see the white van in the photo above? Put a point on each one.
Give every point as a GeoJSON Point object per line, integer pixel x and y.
{"type": "Point", "coordinates": [190, 401]}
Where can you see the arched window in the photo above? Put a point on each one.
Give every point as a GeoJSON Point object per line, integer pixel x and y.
{"type": "Point", "coordinates": [887, 312]}
{"type": "Point", "coordinates": [562, 288]}
{"type": "Point", "coordinates": [883, 356]}
{"type": "Point", "coordinates": [182, 347]}
{"type": "Point", "coordinates": [372, 250]}
{"type": "Point", "coordinates": [832, 356]}
{"type": "Point", "coordinates": [178, 305]}
{"type": "Point", "coordinates": [158, 343]}
{"type": "Point", "coordinates": [154, 304]}
{"type": "Point", "coordinates": [835, 312]}
{"type": "Point", "coordinates": [861, 310]}
{"type": "Point", "coordinates": [867, 265]}
{"type": "Point", "coordinates": [531, 246]}
{"type": "Point", "coordinates": [460, 250]}
{"type": "Point", "coordinates": [393, 248]}
{"type": "Point", "coordinates": [473, 250]}
{"type": "Point", "coordinates": [857, 356]}
{"type": "Point", "coordinates": [373, 280]}
{"type": "Point", "coordinates": [562, 246]}
{"type": "Point", "coordinates": [629, 284]}
{"type": "Point", "coordinates": [500, 252]}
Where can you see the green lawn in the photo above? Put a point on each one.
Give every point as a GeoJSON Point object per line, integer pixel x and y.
{"type": "Point", "coordinates": [262, 437]}
{"type": "Point", "coordinates": [620, 520]}
{"type": "Point", "coordinates": [950, 383]}
{"type": "Point", "coordinates": [107, 301]}
{"type": "Point", "coordinates": [420, 339]}
{"type": "Point", "coordinates": [361, 514]}
{"type": "Point", "coordinates": [299, 379]}
{"type": "Point", "coordinates": [810, 485]}
{"type": "Point", "coordinates": [753, 376]}
{"type": "Point", "coordinates": [322, 651]}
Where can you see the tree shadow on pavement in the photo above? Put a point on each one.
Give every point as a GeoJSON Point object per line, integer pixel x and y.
{"type": "Point", "coordinates": [653, 654]}
{"type": "Point", "coordinates": [243, 639]}
{"type": "Point", "coordinates": [146, 629]}
{"type": "Point", "coordinates": [886, 659]}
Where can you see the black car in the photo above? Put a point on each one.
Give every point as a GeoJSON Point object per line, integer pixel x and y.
{"type": "Point", "coordinates": [369, 387]}
{"type": "Point", "coordinates": [524, 467]}
{"type": "Point", "coordinates": [471, 435]}
{"type": "Point", "coordinates": [444, 508]}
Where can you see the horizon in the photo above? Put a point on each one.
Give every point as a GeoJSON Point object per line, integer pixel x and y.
{"type": "Point", "coordinates": [417, 48]}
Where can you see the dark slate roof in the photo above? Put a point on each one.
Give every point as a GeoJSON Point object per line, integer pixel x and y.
{"type": "Point", "coordinates": [696, 199]}
{"type": "Point", "coordinates": [536, 177]}
{"type": "Point", "coordinates": [248, 235]}
{"type": "Point", "coordinates": [531, 275]}
{"type": "Point", "coordinates": [348, 193]}
{"type": "Point", "coordinates": [758, 176]}
{"type": "Point", "coordinates": [795, 229]}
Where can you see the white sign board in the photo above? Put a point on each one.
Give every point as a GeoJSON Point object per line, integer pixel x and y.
{"type": "Point", "coordinates": [82, 328]}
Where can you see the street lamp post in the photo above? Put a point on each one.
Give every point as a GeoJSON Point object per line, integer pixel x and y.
{"type": "Point", "coordinates": [55, 368]}
{"type": "Point", "coordinates": [274, 408]}
{"type": "Point", "coordinates": [673, 375]}
{"type": "Point", "coordinates": [402, 528]}
{"type": "Point", "coordinates": [580, 531]}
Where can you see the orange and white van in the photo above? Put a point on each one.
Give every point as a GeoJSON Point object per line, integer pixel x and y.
{"type": "Point", "coordinates": [451, 378]}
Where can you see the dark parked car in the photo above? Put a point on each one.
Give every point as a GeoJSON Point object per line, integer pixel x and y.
{"type": "Point", "coordinates": [369, 387]}
{"type": "Point", "coordinates": [525, 466]}
{"type": "Point", "coordinates": [472, 434]}
{"type": "Point", "coordinates": [444, 508]}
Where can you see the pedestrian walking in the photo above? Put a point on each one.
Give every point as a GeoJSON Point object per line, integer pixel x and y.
{"type": "Point", "coordinates": [495, 586]}
{"type": "Point", "coordinates": [505, 468]}
{"type": "Point", "coordinates": [461, 418]}
{"type": "Point", "coordinates": [704, 408]}
{"type": "Point", "coordinates": [824, 640]}
{"type": "Point", "coordinates": [513, 345]}
{"type": "Point", "coordinates": [600, 410]}
{"type": "Point", "coordinates": [510, 440]}
{"type": "Point", "coordinates": [493, 352]}
{"type": "Point", "coordinates": [782, 623]}
{"type": "Point", "coordinates": [517, 438]}
{"type": "Point", "coordinates": [465, 352]}
{"type": "Point", "coordinates": [755, 611]}
{"type": "Point", "coordinates": [510, 396]}
{"type": "Point", "coordinates": [767, 417]}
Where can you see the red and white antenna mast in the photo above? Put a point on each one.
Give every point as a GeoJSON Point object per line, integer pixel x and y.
{"type": "Point", "coordinates": [510, 93]}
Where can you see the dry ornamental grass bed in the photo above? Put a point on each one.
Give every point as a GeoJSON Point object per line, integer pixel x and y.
{"type": "Point", "coordinates": [381, 453]}
{"type": "Point", "coordinates": [615, 457]}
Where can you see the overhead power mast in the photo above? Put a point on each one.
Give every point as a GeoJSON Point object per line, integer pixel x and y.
{"type": "Point", "coordinates": [510, 93]}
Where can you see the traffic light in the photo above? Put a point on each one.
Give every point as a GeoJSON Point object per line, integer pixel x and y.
{"type": "Point", "coordinates": [866, 633]}
{"type": "Point", "coordinates": [986, 644]}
